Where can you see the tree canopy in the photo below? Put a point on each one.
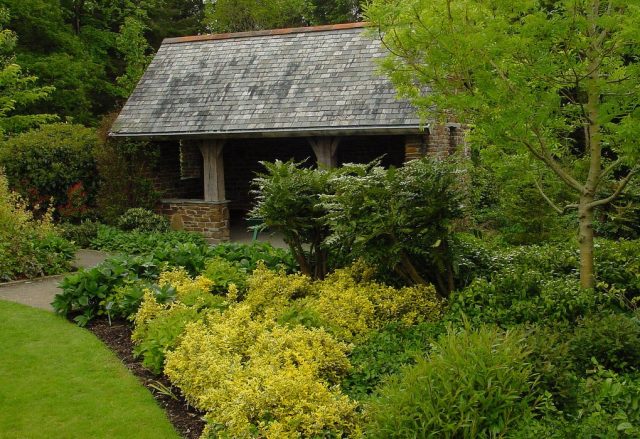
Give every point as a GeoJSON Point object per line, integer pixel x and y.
{"type": "Point", "coordinates": [559, 79]}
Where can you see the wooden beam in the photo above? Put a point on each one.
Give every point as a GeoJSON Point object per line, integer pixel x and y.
{"type": "Point", "coordinates": [325, 150]}
{"type": "Point", "coordinates": [213, 170]}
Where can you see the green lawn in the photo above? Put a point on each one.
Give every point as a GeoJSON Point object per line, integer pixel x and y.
{"type": "Point", "coordinates": [59, 381]}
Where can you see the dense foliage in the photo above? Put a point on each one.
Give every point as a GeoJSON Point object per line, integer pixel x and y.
{"type": "Point", "coordinates": [557, 81]}
{"type": "Point", "coordinates": [29, 247]}
{"type": "Point", "coordinates": [142, 220]}
{"type": "Point", "coordinates": [288, 201]}
{"type": "Point", "coordinates": [398, 220]}
{"type": "Point", "coordinates": [126, 168]}
{"type": "Point", "coordinates": [54, 165]}
{"type": "Point", "coordinates": [474, 384]}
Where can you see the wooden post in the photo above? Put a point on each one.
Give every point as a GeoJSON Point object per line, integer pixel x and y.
{"type": "Point", "coordinates": [213, 170]}
{"type": "Point", "coordinates": [325, 150]}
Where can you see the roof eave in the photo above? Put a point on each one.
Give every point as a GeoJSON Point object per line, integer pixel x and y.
{"type": "Point", "coordinates": [298, 132]}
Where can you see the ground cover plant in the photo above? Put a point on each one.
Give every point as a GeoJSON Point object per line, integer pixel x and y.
{"type": "Point", "coordinates": [60, 381]}
{"type": "Point", "coordinates": [115, 288]}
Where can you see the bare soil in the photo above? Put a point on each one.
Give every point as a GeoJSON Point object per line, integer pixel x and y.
{"type": "Point", "coordinates": [117, 336]}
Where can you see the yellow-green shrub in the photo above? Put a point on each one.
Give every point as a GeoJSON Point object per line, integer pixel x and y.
{"type": "Point", "coordinates": [350, 305]}
{"type": "Point", "coordinates": [158, 327]}
{"type": "Point", "coordinates": [256, 378]}
{"type": "Point", "coordinates": [258, 374]}
{"type": "Point", "coordinates": [270, 291]}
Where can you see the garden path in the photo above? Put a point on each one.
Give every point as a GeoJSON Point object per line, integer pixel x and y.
{"type": "Point", "coordinates": [39, 293]}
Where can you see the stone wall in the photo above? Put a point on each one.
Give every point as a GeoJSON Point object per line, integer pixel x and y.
{"type": "Point", "coordinates": [211, 219]}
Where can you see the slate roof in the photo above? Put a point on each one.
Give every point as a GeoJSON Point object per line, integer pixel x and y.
{"type": "Point", "coordinates": [305, 81]}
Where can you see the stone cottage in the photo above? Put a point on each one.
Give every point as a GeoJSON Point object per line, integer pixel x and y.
{"type": "Point", "coordinates": [217, 105]}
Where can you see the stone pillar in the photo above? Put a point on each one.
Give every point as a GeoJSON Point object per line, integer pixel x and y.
{"type": "Point", "coordinates": [325, 150]}
{"type": "Point", "coordinates": [213, 170]}
{"type": "Point", "coordinates": [210, 218]}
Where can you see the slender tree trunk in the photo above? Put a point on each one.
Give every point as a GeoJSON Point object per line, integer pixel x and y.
{"type": "Point", "coordinates": [593, 135]}
{"type": "Point", "coordinates": [585, 238]}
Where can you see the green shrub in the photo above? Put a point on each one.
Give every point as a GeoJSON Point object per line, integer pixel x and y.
{"type": "Point", "coordinates": [513, 297]}
{"type": "Point", "coordinates": [384, 352]}
{"type": "Point", "coordinates": [126, 167]}
{"type": "Point", "coordinates": [28, 247]}
{"type": "Point", "coordinates": [54, 163]}
{"type": "Point", "coordinates": [224, 273]}
{"type": "Point", "coordinates": [608, 406]}
{"type": "Point", "coordinates": [161, 334]}
{"type": "Point", "coordinates": [80, 234]}
{"type": "Point", "coordinates": [142, 220]}
{"type": "Point", "coordinates": [553, 364]}
{"type": "Point", "coordinates": [613, 340]}
{"type": "Point", "coordinates": [397, 219]}
{"type": "Point", "coordinates": [288, 201]}
{"type": "Point", "coordinates": [190, 256]}
{"type": "Point", "coordinates": [618, 265]}
{"type": "Point", "coordinates": [474, 384]}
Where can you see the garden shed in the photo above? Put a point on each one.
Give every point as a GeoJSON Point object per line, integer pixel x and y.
{"type": "Point", "coordinates": [219, 104]}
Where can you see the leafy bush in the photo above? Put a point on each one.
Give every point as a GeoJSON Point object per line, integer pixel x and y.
{"type": "Point", "coordinates": [553, 364]}
{"type": "Point", "coordinates": [384, 352]}
{"type": "Point", "coordinates": [158, 326]}
{"type": "Point", "coordinates": [347, 303]}
{"type": "Point", "coordinates": [54, 163]}
{"type": "Point", "coordinates": [142, 220]}
{"type": "Point", "coordinates": [613, 340]}
{"type": "Point", "coordinates": [81, 234]}
{"type": "Point", "coordinates": [474, 384]}
{"type": "Point", "coordinates": [505, 198]}
{"type": "Point", "coordinates": [397, 219]}
{"type": "Point", "coordinates": [126, 168]}
{"type": "Point", "coordinates": [618, 265]}
{"type": "Point", "coordinates": [288, 201]}
{"type": "Point", "coordinates": [350, 305]}
{"type": "Point", "coordinates": [28, 247]}
{"type": "Point", "coordinates": [525, 297]}
{"type": "Point", "coordinates": [608, 406]}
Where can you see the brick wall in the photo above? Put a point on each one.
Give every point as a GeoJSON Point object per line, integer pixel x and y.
{"type": "Point", "coordinates": [190, 160]}
{"type": "Point", "coordinates": [167, 176]}
{"type": "Point", "coordinates": [209, 218]}
{"type": "Point", "coordinates": [439, 141]}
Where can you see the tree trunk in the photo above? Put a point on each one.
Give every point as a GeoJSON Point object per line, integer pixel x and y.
{"type": "Point", "coordinates": [585, 238]}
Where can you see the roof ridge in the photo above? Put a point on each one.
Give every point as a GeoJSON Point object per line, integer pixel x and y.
{"type": "Point", "coordinates": [264, 33]}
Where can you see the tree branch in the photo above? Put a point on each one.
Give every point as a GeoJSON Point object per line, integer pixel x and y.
{"type": "Point", "coordinates": [545, 156]}
{"type": "Point", "coordinates": [623, 183]}
{"type": "Point", "coordinates": [547, 199]}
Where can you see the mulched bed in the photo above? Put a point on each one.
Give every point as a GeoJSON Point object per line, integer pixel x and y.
{"type": "Point", "coordinates": [117, 336]}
